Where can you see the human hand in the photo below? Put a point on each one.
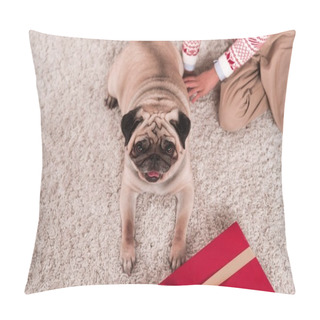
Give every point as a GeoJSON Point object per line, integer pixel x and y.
{"type": "Point", "coordinates": [199, 86]}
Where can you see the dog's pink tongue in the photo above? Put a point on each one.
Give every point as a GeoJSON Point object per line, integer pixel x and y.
{"type": "Point", "coordinates": [153, 174]}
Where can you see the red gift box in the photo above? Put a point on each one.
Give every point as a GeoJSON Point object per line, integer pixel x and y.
{"type": "Point", "coordinates": [227, 261]}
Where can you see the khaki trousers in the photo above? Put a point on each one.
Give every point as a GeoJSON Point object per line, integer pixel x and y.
{"type": "Point", "coordinates": [258, 85]}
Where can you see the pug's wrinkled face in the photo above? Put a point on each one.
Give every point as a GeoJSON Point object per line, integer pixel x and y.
{"type": "Point", "coordinates": [155, 141]}
{"type": "Point", "coordinates": [153, 158]}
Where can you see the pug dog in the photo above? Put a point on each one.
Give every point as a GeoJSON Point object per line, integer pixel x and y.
{"type": "Point", "coordinates": [146, 83]}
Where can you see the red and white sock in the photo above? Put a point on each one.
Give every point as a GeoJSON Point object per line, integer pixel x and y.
{"type": "Point", "coordinates": [190, 50]}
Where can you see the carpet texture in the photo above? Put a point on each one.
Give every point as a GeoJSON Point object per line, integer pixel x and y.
{"type": "Point", "coordinates": [237, 177]}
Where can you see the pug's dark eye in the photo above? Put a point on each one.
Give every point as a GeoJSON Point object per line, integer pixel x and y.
{"type": "Point", "coordinates": [138, 147]}
{"type": "Point", "coordinates": [169, 148]}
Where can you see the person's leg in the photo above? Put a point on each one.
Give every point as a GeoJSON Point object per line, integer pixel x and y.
{"type": "Point", "coordinates": [242, 96]}
{"type": "Point", "coordinates": [274, 69]}
{"type": "Point", "coordinates": [257, 85]}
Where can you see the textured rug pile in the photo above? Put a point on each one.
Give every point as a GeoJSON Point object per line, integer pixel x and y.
{"type": "Point", "coordinates": [237, 177]}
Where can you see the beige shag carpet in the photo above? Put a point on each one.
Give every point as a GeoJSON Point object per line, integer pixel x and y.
{"type": "Point", "coordinates": [237, 177]}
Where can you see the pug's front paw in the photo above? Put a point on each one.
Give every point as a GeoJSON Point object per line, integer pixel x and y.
{"type": "Point", "coordinates": [128, 258]}
{"type": "Point", "coordinates": [177, 254]}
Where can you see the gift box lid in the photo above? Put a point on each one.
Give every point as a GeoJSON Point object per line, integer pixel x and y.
{"type": "Point", "coordinates": [216, 257]}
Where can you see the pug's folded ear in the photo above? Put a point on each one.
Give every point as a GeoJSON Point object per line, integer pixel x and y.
{"type": "Point", "coordinates": [182, 127]}
{"type": "Point", "coordinates": [129, 123]}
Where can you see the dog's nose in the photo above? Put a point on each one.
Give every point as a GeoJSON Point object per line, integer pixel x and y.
{"type": "Point", "coordinates": [154, 157]}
